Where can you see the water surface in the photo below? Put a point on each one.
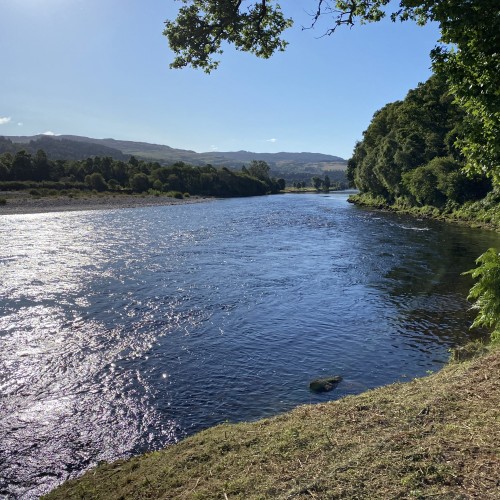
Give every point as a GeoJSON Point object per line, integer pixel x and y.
{"type": "Point", "coordinates": [122, 331]}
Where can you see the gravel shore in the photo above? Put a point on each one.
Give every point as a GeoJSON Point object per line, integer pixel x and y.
{"type": "Point", "coordinates": [27, 204]}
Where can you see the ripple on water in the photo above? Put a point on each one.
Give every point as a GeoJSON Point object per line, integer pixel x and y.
{"type": "Point", "coordinates": [122, 331]}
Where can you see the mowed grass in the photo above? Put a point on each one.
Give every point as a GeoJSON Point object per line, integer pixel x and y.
{"type": "Point", "coordinates": [434, 437]}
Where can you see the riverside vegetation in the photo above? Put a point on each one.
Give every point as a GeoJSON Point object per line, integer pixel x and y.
{"type": "Point", "coordinates": [21, 170]}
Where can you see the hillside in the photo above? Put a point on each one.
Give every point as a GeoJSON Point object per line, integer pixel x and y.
{"type": "Point", "coordinates": [303, 162]}
{"type": "Point", "coordinates": [59, 148]}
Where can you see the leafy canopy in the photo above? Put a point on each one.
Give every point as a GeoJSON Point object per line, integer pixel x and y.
{"type": "Point", "coordinates": [408, 152]}
{"type": "Point", "coordinates": [486, 292]}
{"type": "Point", "coordinates": [202, 25]}
{"type": "Point", "coordinates": [468, 54]}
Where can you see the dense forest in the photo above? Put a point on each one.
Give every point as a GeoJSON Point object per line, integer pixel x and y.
{"type": "Point", "coordinates": [22, 170]}
{"type": "Point", "coordinates": [409, 152]}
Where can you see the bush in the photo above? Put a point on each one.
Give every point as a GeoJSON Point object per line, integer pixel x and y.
{"type": "Point", "coordinates": [139, 183]}
{"type": "Point", "coordinates": [3, 201]}
{"type": "Point", "coordinates": [175, 194]}
{"type": "Point", "coordinates": [157, 185]}
{"type": "Point", "coordinates": [96, 182]}
{"type": "Point", "coordinates": [486, 292]}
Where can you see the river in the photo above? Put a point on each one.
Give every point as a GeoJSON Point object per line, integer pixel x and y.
{"type": "Point", "coordinates": [123, 331]}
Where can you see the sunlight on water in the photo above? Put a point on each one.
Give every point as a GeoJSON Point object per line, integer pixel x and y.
{"type": "Point", "coordinates": [122, 331]}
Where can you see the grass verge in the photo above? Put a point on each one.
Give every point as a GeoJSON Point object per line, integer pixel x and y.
{"type": "Point", "coordinates": [436, 436]}
{"type": "Point", "coordinates": [484, 213]}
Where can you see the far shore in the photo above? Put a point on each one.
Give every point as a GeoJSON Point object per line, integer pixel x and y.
{"type": "Point", "coordinates": [19, 203]}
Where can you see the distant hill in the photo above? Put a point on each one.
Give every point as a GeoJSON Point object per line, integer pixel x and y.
{"type": "Point", "coordinates": [59, 148]}
{"type": "Point", "coordinates": [73, 147]}
{"type": "Point", "coordinates": [247, 156]}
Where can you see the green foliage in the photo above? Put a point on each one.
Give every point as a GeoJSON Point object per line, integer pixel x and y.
{"type": "Point", "coordinates": [486, 292]}
{"type": "Point", "coordinates": [139, 183]}
{"type": "Point", "coordinates": [468, 57]}
{"type": "Point", "coordinates": [259, 169]}
{"type": "Point", "coordinates": [440, 181]}
{"type": "Point", "coordinates": [23, 171]}
{"type": "Point", "coordinates": [472, 70]}
{"type": "Point", "coordinates": [175, 194]}
{"type": "Point", "coordinates": [407, 152]}
{"type": "Point", "coordinates": [317, 182]}
{"type": "Point", "coordinates": [422, 184]}
{"type": "Point", "coordinates": [203, 25]}
{"type": "Point", "coordinates": [157, 185]}
{"type": "Point", "coordinates": [96, 181]}
{"type": "Point", "coordinates": [4, 171]}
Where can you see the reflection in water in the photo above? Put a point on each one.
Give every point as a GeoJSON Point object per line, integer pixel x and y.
{"type": "Point", "coordinates": [123, 331]}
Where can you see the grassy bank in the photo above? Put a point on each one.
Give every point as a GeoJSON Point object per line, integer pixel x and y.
{"type": "Point", "coordinates": [436, 436]}
{"type": "Point", "coordinates": [484, 213]}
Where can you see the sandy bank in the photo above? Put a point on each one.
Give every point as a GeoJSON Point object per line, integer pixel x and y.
{"type": "Point", "coordinates": [26, 204]}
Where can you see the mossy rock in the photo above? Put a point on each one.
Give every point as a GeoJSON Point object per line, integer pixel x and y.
{"type": "Point", "coordinates": [324, 384]}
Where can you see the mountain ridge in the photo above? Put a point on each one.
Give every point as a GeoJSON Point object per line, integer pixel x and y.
{"type": "Point", "coordinates": [119, 149]}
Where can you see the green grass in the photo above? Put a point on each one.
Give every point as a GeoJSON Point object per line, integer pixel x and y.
{"type": "Point", "coordinates": [434, 437]}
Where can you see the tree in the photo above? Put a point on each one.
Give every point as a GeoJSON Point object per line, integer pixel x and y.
{"type": "Point", "coordinates": [317, 182]}
{"type": "Point", "coordinates": [202, 25]}
{"type": "Point", "coordinates": [469, 54]}
{"type": "Point", "coordinates": [96, 181]}
{"type": "Point", "coordinates": [22, 167]}
{"type": "Point", "coordinates": [4, 171]}
{"type": "Point", "coordinates": [41, 166]}
{"type": "Point", "coordinates": [486, 292]}
{"type": "Point", "coordinates": [139, 183]}
{"type": "Point", "coordinates": [259, 169]}
{"type": "Point", "coordinates": [402, 139]}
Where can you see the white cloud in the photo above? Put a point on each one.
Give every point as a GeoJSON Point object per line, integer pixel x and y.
{"type": "Point", "coordinates": [4, 120]}
{"type": "Point", "coordinates": [20, 124]}
{"type": "Point", "coordinates": [49, 133]}
{"type": "Point", "coordinates": [214, 148]}
{"type": "Point", "coordinates": [271, 140]}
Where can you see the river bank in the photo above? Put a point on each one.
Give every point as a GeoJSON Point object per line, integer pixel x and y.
{"type": "Point", "coordinates": [23, 203]}
{"type": "Point", "coordinates": [433, 436]}
{"type": "Point", "coordinates": [484, 214]}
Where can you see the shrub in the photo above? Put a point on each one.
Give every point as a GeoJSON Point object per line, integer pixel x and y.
{"type": "Point", "coordinates": [96, 182]}
{"type": "Point", "coordinates": [139, 183]}
{"type": "Point", "coordinates": [3, 201]}
{"type": "Point", "coordinates": [157, 185]}
{"type": "Point", "coordinates": [175, 194]}
{"type": "Point", "coordinates": [486, 292]}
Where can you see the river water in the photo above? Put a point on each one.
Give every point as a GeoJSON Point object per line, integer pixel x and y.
{"type": "Point", "coordinates": [123, 331]}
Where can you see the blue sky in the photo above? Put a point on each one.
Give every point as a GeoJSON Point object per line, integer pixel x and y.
{"type": "Point", "coordinates": [99, 68]}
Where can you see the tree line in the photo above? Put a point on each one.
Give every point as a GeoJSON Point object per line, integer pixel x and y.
{"type": "Point", "coordinates": [23, 170]}
{"type": "Point", "coordinates": [409, 151]}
